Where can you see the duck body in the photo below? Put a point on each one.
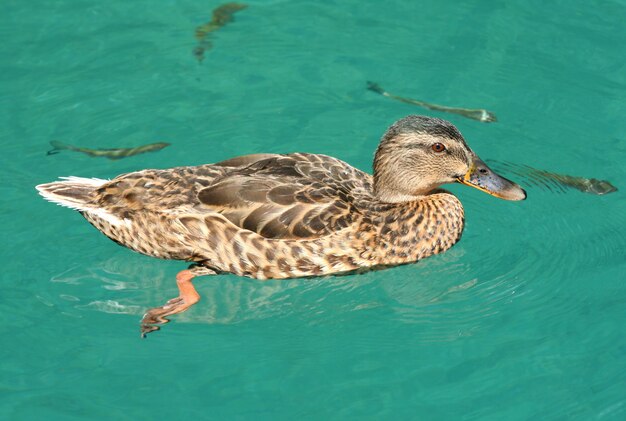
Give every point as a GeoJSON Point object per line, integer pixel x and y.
{"type": "Point", "coordinates": [271, 216]}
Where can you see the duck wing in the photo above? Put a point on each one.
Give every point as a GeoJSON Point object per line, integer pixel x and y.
{"type": "Point", "coordinates": [294, 196]}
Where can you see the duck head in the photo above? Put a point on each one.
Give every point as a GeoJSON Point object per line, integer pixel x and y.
{"type": "Point", "coordinates": [417, 154]}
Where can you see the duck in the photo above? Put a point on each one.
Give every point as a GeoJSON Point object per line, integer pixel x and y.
{"type": "Point", "coordinates": [278, 216]}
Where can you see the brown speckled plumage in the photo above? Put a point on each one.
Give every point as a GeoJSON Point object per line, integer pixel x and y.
{"type": "Point", "coordinates": [281, 216]}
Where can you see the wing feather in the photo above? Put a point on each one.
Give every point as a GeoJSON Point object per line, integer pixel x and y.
{"type": "Point", "coordinates": [288, 196]}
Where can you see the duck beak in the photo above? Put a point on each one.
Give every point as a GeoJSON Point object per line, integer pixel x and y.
{"type": "Point", "coordinates": [481, 177]}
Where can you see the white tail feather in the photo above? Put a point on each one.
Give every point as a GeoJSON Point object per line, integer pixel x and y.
{"type": "Point", "coordinates": [96, 182]}
{"type": "Point", "coordinates": [77, 193]}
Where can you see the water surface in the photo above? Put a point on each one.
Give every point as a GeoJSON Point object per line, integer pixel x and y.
{"type": "Point", "coordinates": [523, 319]}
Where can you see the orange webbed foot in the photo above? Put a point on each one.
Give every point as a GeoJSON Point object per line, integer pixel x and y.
{"type": "Point", "coordinates": [188, 296]}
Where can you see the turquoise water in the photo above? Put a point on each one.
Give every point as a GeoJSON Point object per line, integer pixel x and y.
{"type": "Point", "coordinates": [523, 319]}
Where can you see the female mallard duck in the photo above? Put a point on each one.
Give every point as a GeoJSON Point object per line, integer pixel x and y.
{"type": "Point", "coordinates": [282, 216]}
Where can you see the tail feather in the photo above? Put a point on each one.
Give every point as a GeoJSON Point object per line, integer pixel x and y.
{"type": "Point", "coordinates": [73, 192]}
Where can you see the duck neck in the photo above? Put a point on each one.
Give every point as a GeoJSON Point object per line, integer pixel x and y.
{"type": "Point", "coordinates": [412, 230]}
{"type": "Point", "coordinates": [390, 188]}
{"type": "Point", "coordinates": [397, 197]}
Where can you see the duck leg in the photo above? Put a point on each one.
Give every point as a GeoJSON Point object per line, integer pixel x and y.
{"type": "Point", "coordinates": [187, 297]}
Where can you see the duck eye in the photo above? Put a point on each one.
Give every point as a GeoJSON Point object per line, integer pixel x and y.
{"type": "Point", "coordinates": [438, 147]}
